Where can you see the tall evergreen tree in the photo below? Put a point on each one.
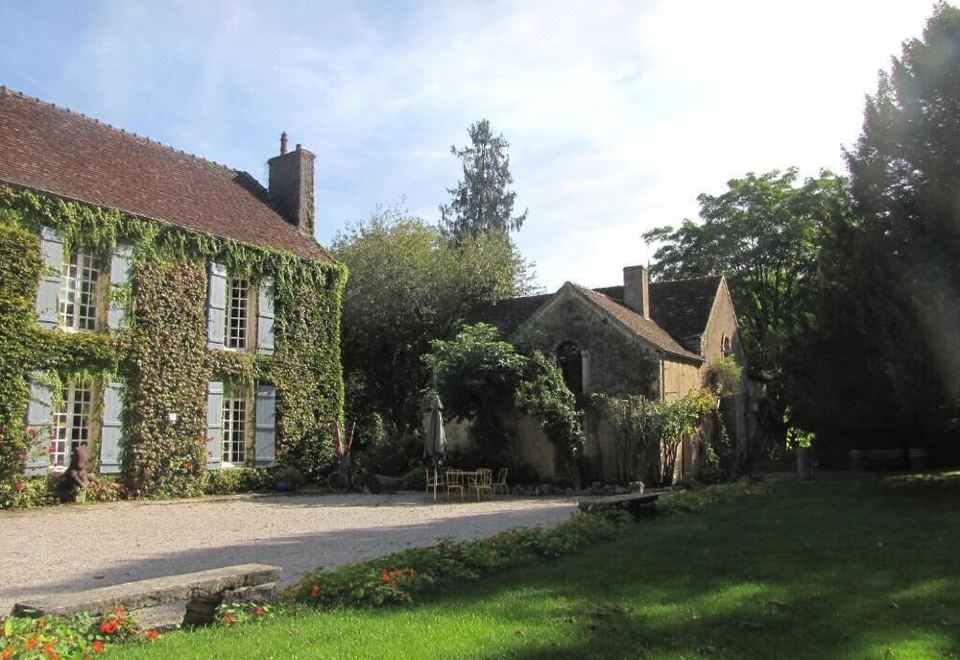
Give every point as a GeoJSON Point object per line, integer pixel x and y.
{"type": "Point", "coordinates": [481, 201]}
{"type": "Point", "coordinates": [888, 345]}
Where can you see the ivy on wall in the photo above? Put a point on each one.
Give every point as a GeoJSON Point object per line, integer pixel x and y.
{"type": "Point", "coordinates": [166, 374]}
{"type": "Point", "coordinates": [162, 357]}
{"type": "Point", "coordinates": [19, 270]}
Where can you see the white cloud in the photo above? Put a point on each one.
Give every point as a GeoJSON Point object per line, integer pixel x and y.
{"type": "Point", "coordinates": [618, 113]}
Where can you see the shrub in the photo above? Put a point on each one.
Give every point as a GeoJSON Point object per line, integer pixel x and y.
{"type": "Point", "coordinates": [27, 492]}
{"type": "Point", "coordinates": [397, 577]}
{"type": "Point", "coordinates": [78, 636]}
{"type": "Point", "coordinates": [238, 480]}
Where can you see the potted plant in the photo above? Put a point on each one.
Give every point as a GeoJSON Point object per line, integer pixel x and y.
{"type": "Point", "coordinates": [289, 479]}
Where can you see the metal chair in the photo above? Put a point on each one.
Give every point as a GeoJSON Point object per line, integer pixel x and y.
{"type": "Point", "coordinates": [433, 481]}
{"type": "Point", "coordinates": [453, 480]}
{"type": "Point", "coordinates": [501, 482]}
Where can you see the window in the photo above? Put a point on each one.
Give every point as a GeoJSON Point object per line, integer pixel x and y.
{"type": "Point", "coordinates": [234, 428]}
{"type": "Point", "coordinates": [78, 293]}
{"type": "Point", "coordinates": [238, 307]}
{"type": "Point", "coordinates": [71, 422]}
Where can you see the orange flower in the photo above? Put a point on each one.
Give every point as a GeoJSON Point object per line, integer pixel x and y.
{"type": "Point", "coordinates": [385, 576]}
{"type": "Point", "coordinates": [32, 642]}
{"type": "Point", "coordinates": [229, 620]}
{"type": "Point", "coordinates": [259, 611]}
{"type": "Point", "coordinates": [97, 646]}
{"type": "Point", "coordinates": [7, 653]}
{"type": "Point", "coordinates": [151, 634]}
{"type": "Point", "coordinates": [109, 626]}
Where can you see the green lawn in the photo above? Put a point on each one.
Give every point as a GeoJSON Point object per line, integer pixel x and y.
{"type": "Point", "coordinates": [842, 567]}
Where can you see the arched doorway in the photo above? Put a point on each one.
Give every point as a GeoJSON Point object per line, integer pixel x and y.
{"type": "Point", "coordinates": [570, 361]}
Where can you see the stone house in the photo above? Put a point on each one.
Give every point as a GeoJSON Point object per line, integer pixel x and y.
{"type": "Point", "coordinates": [179, 289]}
{"type": "Point", "coordinates": [658, 339]}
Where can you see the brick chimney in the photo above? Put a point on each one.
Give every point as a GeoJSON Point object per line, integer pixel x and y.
{"type": "Point", "coordinates": [636, 289]}
{"type": "Point", "coordinates": [291, 185]}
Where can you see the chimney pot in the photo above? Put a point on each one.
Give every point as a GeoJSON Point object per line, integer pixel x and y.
{"type": "Point", "coordinates": [283, 143]}
{"type": "Point", "coordinates": [299, 146]}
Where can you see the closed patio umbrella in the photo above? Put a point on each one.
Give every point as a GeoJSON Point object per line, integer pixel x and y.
{"type": "Point", "coordinates": [435, 440]}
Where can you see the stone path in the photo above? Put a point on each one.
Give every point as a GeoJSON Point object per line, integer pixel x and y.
{"type": "Point", "coordinates": [77, 547]}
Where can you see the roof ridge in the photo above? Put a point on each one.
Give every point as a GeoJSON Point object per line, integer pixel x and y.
{"type": "Point", "coordinates": [6, 90]}
{"type": "Point", "coordinates": [689, 279]}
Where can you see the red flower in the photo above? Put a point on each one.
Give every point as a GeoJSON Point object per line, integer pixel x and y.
{"type": "Point", "coordinates": [7, 653]}
{"type": "Point", "coordinates": [32, 642]}
{"type": "Point", "coordinates": [151, 634]}
{"type": "Point", "coordinates": [228, 619]}
{"type": "Point", "coordinates": [51, 449]}
{"type": "Point", "coordinates": [190, 464]}
{"type": "Point", "coordinates": [109, 626]}
{"type": "Point", "coordinates": [259, 611]}
{"type": "Point", "coordinates": [98, 646]}
{"type": "Point", "coordinates": [19, 486]}
{"type": "Point", "coordinates": [315, 591]}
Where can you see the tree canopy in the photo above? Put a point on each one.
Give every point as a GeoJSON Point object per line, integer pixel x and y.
{"type": "Point", "coordinates": [890, 304]}
{"type": "Point", "coordinates": [763, 233]}
{"type": "Point", "coordinates": [480, 201]}
{"type": "Point", "coordinates": [408, 285]}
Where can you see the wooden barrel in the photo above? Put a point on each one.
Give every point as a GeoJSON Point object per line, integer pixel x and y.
{"type": "Point", "coordinates": [918, 459]}
{"type": "Point", "coordinates": [856, 460]}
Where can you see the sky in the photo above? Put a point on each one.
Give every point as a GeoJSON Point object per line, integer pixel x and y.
{"type": "Point", "coordinates": [618, 113]}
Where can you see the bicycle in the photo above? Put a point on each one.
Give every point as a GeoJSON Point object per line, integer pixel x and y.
{"type": "Point", "coordinates": [345, 478]}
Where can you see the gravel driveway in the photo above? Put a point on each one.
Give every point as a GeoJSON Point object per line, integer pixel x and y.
{"type": "Point", "coordinates": [71, 548]}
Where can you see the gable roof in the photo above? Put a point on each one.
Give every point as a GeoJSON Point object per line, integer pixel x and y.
{"type": "Point", "coordinates": [679, 311]}
{"type": "Point", "coordinates": [68, 154]}
{"type": "Point", "coordinates": [681, 307]}
{"type": "Point", "coordinates": [642, 327]}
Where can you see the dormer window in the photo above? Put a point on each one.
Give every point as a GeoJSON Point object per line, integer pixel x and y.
{"type": "Point", "coordinates": [77, 308]}
{"type": "Point", "coordinates": [238, 313]}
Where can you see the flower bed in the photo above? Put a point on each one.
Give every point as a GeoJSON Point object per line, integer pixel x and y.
{"type": "Point", "coordinates": [397, 577]}
{"type": "Point", "coordinates": [78, 636]}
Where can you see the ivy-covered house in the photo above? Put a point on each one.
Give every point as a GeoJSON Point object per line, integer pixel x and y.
{"type": "Point", "coordinates": [172, 313]}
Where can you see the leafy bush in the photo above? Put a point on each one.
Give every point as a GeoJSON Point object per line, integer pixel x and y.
{"type": "Point", "coordinates": [27, 492]}
{"type": "Point", "coordinates": [397, 577]}
{"type": "Point", "coordinates": [238, 480]}
{"type": "Point", "coordinates": [230, 614]}
{"type": "Point", "coordinates": [78, 636]}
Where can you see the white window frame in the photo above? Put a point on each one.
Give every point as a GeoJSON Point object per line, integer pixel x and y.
{"type": "Point", "coordinates": [235, 417]}
{"type": "Point", "coordinates": [78, 298]}
{"type": "Point", "coordinates": [236, 331]}
{"type": "Point", "coordinates": [72, 422]}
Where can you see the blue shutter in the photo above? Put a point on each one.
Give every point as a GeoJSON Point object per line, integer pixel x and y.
{"type": "Point", "coordinates": [111, 429]}
{"type": "Point", "coordinates": [39, 418]}
{"type": "Point", "coordinates": [264, 450]}
{"type": "Point", "coordinates": [265, 316]}
{"type": "Point", "coordinates": [48, 293]}
{"type": "Point", "coordinates": [214, 425]}
{"type": "Point", "coordinates": [216, 305]}
{"type": "Point", "coordinates": [119, 275]}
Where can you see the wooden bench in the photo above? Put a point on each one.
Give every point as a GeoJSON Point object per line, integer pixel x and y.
{"type": "Point", "coordinates": [878, 459]}
{"type": "Point", "coordinates": [204, 591]}
{"type": "Point", "coordinates": [640, 505]}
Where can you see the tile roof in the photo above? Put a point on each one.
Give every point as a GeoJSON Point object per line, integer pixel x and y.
{"type": "Point", "coordinates": [645, 328]}
{"type": "Point", "coordinates": [68, 154]}
{"type": "Point", "coordinates": [681, 307]}
{"type": "Point", "coordinates": [507, 315]}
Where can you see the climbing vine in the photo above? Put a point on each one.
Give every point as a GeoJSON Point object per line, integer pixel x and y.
{"type": "Point", "coordinates": [161, 357]}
